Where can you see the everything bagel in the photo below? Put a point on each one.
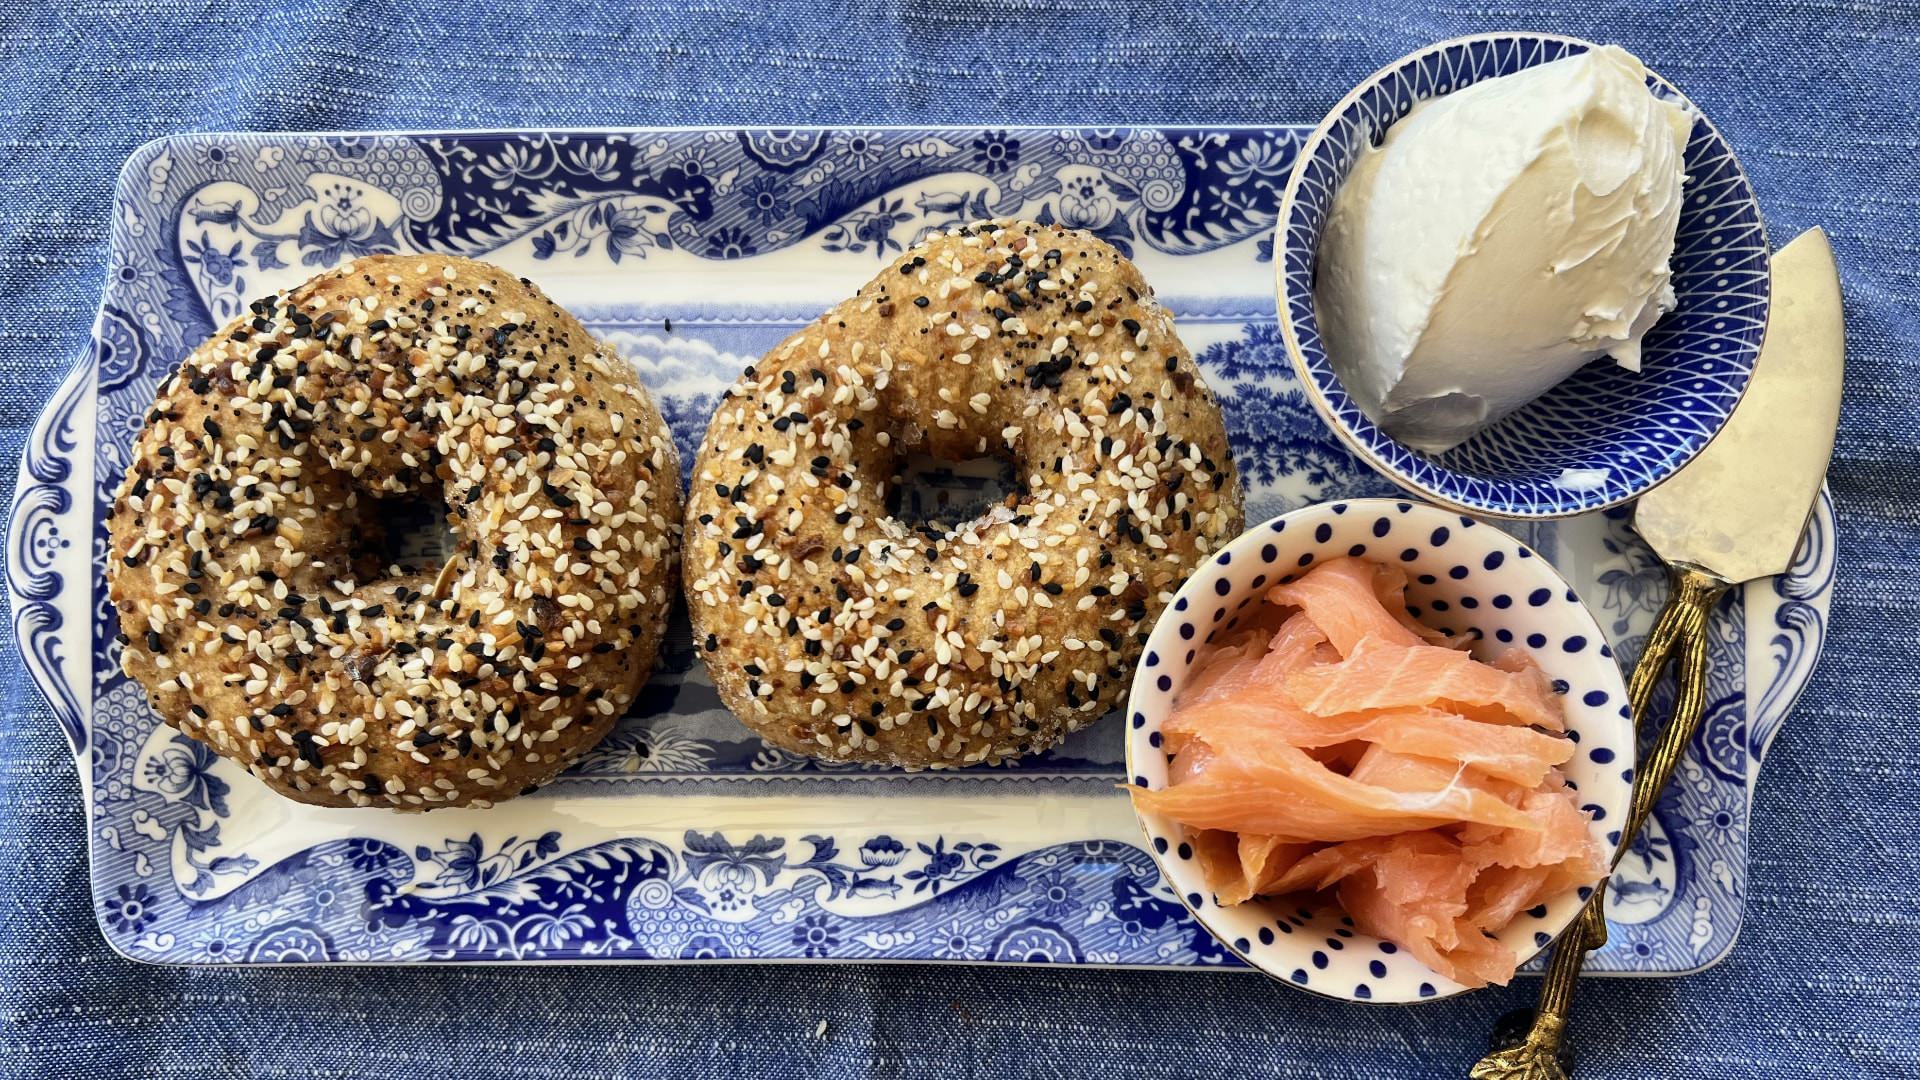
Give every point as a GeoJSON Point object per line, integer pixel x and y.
{"type": "Point", "coordinates": [259, 607]}
{"type": "Point", "coordinates": [834, 629]}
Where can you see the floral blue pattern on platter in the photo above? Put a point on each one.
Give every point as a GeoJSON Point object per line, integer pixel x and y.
{"type": "Point", "coordinates": [1604, 435]}
{"type": "Point", "coordinates": [1467, 579]}
{"type": "Point", "coordinates": [682, 837]}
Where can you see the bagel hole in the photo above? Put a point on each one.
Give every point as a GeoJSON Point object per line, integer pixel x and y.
{"type": "Point", "coordinates": [404, 531]}
{"type": "Point", "coordinates": [930, 493]}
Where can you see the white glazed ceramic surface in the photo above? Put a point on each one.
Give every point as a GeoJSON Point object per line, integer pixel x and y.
{"type": "Point", "coordinates": [1467, 578]}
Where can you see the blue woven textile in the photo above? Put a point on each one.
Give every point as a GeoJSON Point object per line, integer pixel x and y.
{"type": "Point", "coordinates": [1820, 99]}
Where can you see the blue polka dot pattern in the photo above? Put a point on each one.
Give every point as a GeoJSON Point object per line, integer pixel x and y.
{"type": "Point", "coordinates": [1328, 956]}
{"type": "Point", "coordinates": [1634, 429]}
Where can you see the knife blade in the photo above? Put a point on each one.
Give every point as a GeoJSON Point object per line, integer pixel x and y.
{"type": "Point", "coordinates": [1738, 509]}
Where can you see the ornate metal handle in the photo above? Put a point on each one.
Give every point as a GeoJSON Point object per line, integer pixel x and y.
{"type": "Point", "coordinates": [1679, 636]}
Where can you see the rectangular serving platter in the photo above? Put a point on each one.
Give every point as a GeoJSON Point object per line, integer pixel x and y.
{"type": "Point", "coordinates": [682, 837]}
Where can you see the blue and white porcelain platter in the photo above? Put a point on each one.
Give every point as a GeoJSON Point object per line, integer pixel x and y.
{"type": "Point", "coordinates": [683, 838]}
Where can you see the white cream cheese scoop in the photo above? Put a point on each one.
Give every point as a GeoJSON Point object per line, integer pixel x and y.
{"type": "Point", "coordinates": [1498, 239]}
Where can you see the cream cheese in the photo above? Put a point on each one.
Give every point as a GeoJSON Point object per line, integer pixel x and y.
{"type": "Point", "coordinates": [1498, 239]}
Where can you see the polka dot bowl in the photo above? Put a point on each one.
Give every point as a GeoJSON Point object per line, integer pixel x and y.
{"type": "Point", "coordinates": [1465, 577]}
{"type": "Point", "coordinates": [1606, 434]}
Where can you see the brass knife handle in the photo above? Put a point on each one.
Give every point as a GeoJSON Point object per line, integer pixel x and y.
{"type": "Point", "coordinates": [1679, 636]}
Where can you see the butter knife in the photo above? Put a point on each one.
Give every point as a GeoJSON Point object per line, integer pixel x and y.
{"type": "Point", "coordinates": [1734, 514]}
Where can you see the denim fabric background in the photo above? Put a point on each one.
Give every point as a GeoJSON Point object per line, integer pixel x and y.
{"type": "Point", "coordinates": [1821, 101]}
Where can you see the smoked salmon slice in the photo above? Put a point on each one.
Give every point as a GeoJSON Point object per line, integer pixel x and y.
{"type": "Point", "coordinates": [1521, 755]}
{"type": "Point", "coordinates": [1499, 894]}
{"type": "Point", "coordinates": [1257, 660]}
{"type": "Point", "coordinates": [1343, 598]}
{"type": "Point", "coordinates": [1225, 669]}
{"type": "Point", "coordinates": [1254, 782]}
{"type": "Point", "coordinates": [1239, 866]}
{"type": "Point", "coordinates": [1382, 675]}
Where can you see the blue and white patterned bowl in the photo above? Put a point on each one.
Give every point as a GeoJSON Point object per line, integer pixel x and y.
{"type": "Point", "coordinates": [1636, 429]}
{"type": "Point", "coordinates": [1467, 578]}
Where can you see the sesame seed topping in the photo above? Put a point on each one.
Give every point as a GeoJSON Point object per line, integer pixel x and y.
{"type": "Point", "coordinates": [270, 617]}
{"type": "Point", "coordinates": [951, 641]}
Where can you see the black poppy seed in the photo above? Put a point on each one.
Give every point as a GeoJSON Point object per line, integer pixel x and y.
{"type": "Point", "coordinates": [303, 742]}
